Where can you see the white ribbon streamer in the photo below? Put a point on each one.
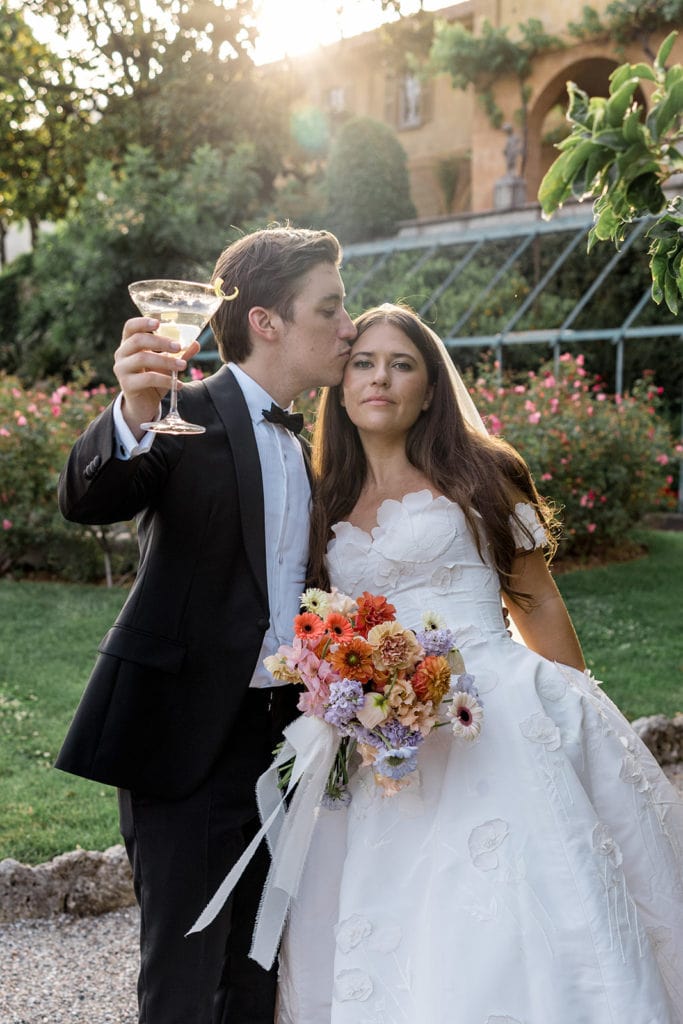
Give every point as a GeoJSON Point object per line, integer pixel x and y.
{"type": "Point", "coordinates": [313, 744]}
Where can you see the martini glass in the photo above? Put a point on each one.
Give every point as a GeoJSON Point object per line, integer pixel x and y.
{"type": "Point", "coordinates": [183, 308]}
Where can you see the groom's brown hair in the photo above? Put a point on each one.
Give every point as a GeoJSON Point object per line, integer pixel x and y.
{"type": "Point", "coordinates": [267, 266]}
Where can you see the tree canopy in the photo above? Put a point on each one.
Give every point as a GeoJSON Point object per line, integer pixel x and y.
{"type": "Point", "coordinates": [45, 117]}
{"type": "Point", "coordinates": [170, 77]}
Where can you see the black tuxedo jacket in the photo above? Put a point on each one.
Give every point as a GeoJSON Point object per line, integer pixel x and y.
{"type": "Point", "coordinates": [173, 669]}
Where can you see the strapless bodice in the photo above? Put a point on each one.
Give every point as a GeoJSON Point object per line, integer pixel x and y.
{"type": "Point", "coordinates": [423, 557]}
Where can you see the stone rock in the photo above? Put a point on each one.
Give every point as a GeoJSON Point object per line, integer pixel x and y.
{"type": "Point", "coordinates": [81, 882]}
{"type": "Point", "coordinates": [662, 735]}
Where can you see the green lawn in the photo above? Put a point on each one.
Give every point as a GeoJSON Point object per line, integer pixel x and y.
{"type": "Point", "coordinates": [48, 635]}
{"type": "Point", "coordinates": [629, 617]}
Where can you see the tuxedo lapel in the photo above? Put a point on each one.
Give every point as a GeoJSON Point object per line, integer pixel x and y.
{"type": "Point", "coordinates": [227, 397]}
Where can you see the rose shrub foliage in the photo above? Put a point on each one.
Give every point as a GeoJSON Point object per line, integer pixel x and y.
{"type": "Point", "coordinates": [38, 426]}
{"type": "Point", "coordinates": [604, 461]}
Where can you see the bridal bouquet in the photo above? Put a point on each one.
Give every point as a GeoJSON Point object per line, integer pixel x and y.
{"type": "Point", "coordinates": [380, 685]}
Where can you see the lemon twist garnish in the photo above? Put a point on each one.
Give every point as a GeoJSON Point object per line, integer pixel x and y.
{"type": "Point", "coordinates": [218, 288]}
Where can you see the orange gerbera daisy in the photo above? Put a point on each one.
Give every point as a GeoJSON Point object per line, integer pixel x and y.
{"type": "Point", "coordinates": [372, 610]}
{"type": "Point", "coordinates": [308, 626]}
{"type": "Point", "coordinates": [353, 660]}
{"type": "Point", "coordinates": [338, 628]}
{"type": "Point", "coordinates": [432, 679]}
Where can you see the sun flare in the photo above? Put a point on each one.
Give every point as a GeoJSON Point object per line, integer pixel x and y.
{"type": "Point", "coordinates": [292, 27]}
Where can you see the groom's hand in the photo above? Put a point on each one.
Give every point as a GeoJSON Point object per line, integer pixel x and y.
{"type": "Point", "coordinates": [143, 363]}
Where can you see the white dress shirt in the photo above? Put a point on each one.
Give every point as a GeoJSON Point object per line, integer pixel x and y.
{"type": "Point", "coordinates": [286, 498]}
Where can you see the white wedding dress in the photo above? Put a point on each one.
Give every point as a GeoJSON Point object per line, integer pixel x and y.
{"type": "Point", "coordinates": [533, 877]}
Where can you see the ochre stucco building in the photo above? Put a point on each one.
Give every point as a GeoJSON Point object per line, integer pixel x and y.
{"type": "Point", "coordinates": [455, 155]}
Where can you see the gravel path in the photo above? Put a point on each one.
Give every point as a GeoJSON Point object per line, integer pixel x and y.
{"type": "Point", "coordinates": [69, 970]}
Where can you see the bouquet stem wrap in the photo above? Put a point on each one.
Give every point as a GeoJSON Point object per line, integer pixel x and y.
{"type": "Point", "coordinates": [313, 744]}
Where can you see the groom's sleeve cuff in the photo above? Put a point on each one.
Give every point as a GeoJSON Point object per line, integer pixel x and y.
{"type": "Point", "coordinates": [126, 444]}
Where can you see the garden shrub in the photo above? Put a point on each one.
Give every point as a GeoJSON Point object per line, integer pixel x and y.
{"type": "Point", "coordinates": [605, 461]}
{"type": "Point", "coordinates": [37, 429]}
{"type": "Point", "coordinates": [134, 219]}
{"type": "Point", "coordinates": [367, 181]}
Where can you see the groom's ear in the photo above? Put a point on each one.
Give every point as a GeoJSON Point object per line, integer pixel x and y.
{"type": "Point", "coordinates": [262, 322]}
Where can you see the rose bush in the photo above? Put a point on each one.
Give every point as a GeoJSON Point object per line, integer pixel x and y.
{"type": "Point", "coordinates": [38, 425]}
{"type": "Point", "coordinates": [604, 460]}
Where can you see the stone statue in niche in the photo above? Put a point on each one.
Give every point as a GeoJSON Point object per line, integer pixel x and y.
{"type": "Point", "coordinates": [514, 148]}
{"type": "Point", "coordinates": [510, 190]}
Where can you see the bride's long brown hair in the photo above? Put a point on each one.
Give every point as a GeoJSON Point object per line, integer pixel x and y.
{"type": "Point", "coordinates": [482, 474]}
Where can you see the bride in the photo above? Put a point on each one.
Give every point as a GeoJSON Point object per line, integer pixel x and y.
{"type": "Point", "coordinates": [532, 876]}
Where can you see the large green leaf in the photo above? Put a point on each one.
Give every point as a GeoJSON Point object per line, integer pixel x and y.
{"type": "Point", "coordinates": [620, 101]}
{"type": "Point", "coordinates": [633, 128]}
{"type": "Point", "coordinates": [641, 71]}
{"type": "Point", "coordinates": [636, 160]}
{"type": "Point", "coordinates": [607, 226]}
{"type": "Point", "coordinates": [671, 296]}
{"type": "Point", "coordinates": [612, 137]}
{"type": "Point", "coordinates": [668, 111]}
{"type": "Point", "coordinates": [557, 183]}
{"type": "Point", "coordinates": [645, 193]}
{"type": "Point", "coordinates": [578, 104]}
{"type": "Point", "coordinates": [658, 270]}
{"type": "Point", "coordinates": [598, 161]}
{"type": "Point", "coordinates": [665, 50]}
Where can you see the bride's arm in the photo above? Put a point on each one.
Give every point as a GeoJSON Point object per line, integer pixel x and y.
{"type": "Point", "coordinates": [544, 625]}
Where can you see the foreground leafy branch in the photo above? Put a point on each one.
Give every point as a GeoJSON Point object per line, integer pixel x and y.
{"type": "Point", "coordinates": [622, 157]}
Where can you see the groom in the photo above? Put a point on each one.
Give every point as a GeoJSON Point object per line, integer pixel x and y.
{"type": "Point", "coordinates": [179, 712]}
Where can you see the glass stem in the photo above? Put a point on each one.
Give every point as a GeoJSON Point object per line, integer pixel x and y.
{"type": "Point", "coordinates": [173, 409]}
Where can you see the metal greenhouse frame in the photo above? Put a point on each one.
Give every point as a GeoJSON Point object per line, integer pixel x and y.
{"type": "Point", "coordinates": [464, 239]}
{"type": "Point", "coordinates": [576, 226]}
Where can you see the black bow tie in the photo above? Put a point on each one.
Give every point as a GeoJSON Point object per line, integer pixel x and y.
{"type": "Point", "coordinates": [293, 421]}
